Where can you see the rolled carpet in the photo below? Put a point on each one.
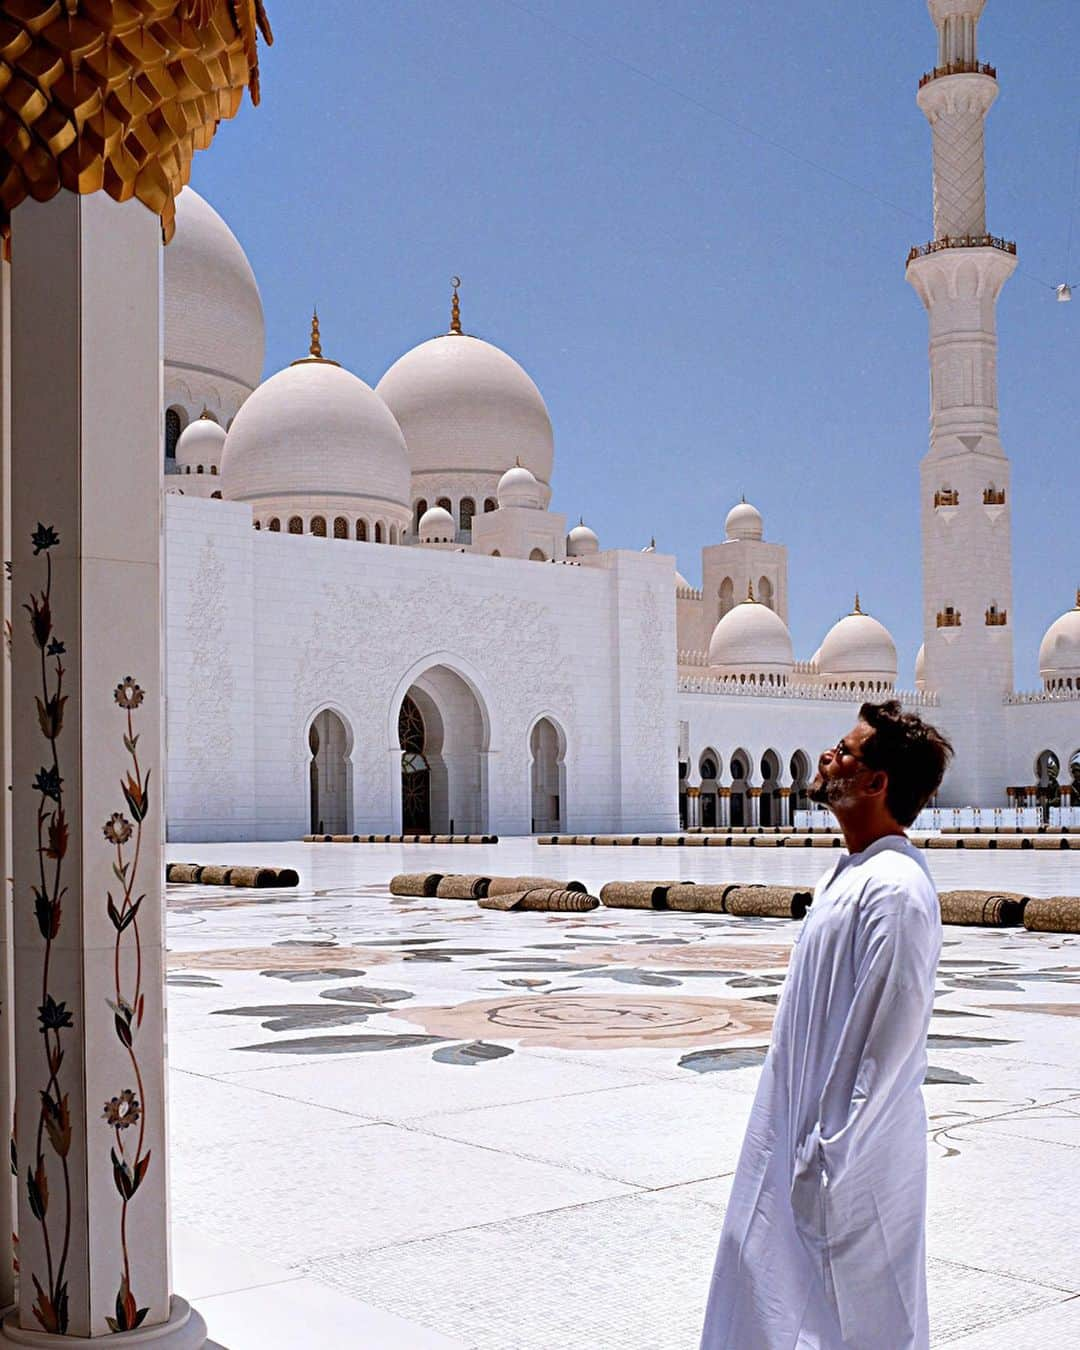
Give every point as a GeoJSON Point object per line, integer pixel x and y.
{"type": "Point", "coordinates": [1057, 914]}
{"type": "Point", "coordinates": [983, 909]}
{"type": "Point", "coordinates": [542, 898]}
{"type": "Point", "coordinates": [462, 887]}
{"type": "Point", "coordinates": [516, 885]}
{"type": "Point", "coordinates": [1050, 841]}
{"type": "Point", "coordinates": [182, 872]}
{"type": "Point", "coordinates": [415, 883]}
{"type": "Point", "coordinates": [766, 902]}
{"type": "Point", "coordinates": [636, 894]}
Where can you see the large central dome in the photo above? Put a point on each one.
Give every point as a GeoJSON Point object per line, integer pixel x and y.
{"type": "Point", "coordinates": [464, 406]}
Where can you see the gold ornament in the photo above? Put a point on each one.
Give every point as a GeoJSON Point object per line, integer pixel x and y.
{"type": "Point", "coordinates": [117, 95]}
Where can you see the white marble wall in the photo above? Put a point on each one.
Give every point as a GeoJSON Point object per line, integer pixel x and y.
{"type": "Point", "coordinates": [264, 630]}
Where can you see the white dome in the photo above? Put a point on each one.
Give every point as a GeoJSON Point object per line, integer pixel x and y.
{"type": "Point", "coordinates": [315, 431]}
{"type": "Point", "coordinates": [858, 648]}
{"type": "Point", "coordinates": [437, 525]}
{"type": "Point", "coordinates": [200, 443]}
{"type": "Point", "coordinates": [751, 639]}
{"type": "Point", "coordinates": [744, 522]}
{"type": "Point", "coordinates": [581, 542]}
{"type": "Point", "coordinates": [213, 315]}
{"type": "Point", "coordinates": [1059, 651]}
{"type": "Point", "coordinates": [465, 406]}
{"type": "Point", "coordinates": [518, 487]}
{"type": "Point", "coordinates": [920, 667]}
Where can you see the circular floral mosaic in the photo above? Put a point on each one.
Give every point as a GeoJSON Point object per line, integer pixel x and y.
{"type": "Point", "coordinates": [571, 1021]}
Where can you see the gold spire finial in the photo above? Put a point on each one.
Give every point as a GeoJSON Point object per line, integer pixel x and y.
{"type": "Point", "coordinates": [750, 593]}
{"type": "Point", "coordinates": [205, 413]}
{"type": "Point", "coordinates": [455, 307]}
{"type": "Point", "coordinates": [858, 607]}
{"type": "Point", "coordinates": [316, 342]}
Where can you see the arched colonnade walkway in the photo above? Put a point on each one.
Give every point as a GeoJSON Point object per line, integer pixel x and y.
{"type": "Point", "coordinates": [718, 790]}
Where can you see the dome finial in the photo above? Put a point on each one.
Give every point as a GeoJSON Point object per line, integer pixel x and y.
{"type": "Point", "coordinates": [750, 593]}
{"type": "Point", "coordinates": [316, 342]}
{"type": "Point", "coordinates": [858, 607]}
{"type": "Point", "coordinates": [455, 307]}
{"type": "Point", "coordinates": [205, 414]}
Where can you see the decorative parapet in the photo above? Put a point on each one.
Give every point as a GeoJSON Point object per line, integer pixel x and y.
{"type": "Point", "coordinates": [732, 688]}
{"type": "Point", "coordinates": [1043, 696]}
{"type": "Point", "coordinates": [996, 618]}
{"type": "Point", "coordinates": [118, 97]}
{"type": "Point", "coordinates": [946, 497]}
{"type": "Point", "coordinates": [994, 497]}
{"type": "Point", "coordinates": [688, 593]}
{"type": "Point", "coordinates": [805, 668]}
{"type": "Point", "coordinates": [959, 68]}
{"type": "Point", "coordinates": [962, 241]}
{"type": "Point", "coordinates": [948, 617]}
{"type": "Point", "coordinates": [688, 658]}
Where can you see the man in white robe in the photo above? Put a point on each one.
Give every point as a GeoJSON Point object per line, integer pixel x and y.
{"type": "Point", "coordinates": [823, 1243]}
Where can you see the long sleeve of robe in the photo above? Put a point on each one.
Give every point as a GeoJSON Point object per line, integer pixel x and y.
{"type": "Point", "coordinates": [823, 1244]}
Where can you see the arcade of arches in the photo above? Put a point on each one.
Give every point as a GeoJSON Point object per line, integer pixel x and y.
{"type": "Point", "coordinates": [717, 800]}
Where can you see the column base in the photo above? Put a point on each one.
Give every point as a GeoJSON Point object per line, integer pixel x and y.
{"type": "Point", "coordinates": [185, 1330]}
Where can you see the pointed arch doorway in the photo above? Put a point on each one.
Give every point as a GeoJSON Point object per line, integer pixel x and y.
{"type": "Point", "coordinates": [415, 770]}
{"type": "Point", "coordinates": [328, 773]}
{"type": "Point", "coordinates": [443, 739]}
{"type": "Point", "coordinates": [548, 777]}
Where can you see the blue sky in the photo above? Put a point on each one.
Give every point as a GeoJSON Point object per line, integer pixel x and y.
{"type": "Point", "coordinates": [688, 221]}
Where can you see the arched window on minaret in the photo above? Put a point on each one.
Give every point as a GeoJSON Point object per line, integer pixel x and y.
{"type": "Point", "coordinates": [765, 592]}
{"type": "Point", "coordinates": [174, 425]}
{"type": "Point", "coordinates": [727, 595]}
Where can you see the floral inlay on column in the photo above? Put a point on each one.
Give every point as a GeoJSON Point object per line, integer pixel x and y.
{"type": "Point", "coordinates": [54, 1120]}
{"type": "Point", "coordinates": [125, 1114]}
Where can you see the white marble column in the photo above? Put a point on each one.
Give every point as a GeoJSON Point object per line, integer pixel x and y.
{"type": "Point", "coordinates": [7, 1021]}
{"type": "Point", "coordinates": [783, 808]}
{"type": "Point", "coordinates": [723, 804]}
{"type": "Point", "coordinates": [693, 807]}
{"type": "Point", "coordinates": [87, 763]}
{"type": "Point", "coordinates": [753, 806]}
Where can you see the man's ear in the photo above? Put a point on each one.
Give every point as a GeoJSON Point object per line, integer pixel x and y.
{"type": "Point", "coordinates": [879, 783]}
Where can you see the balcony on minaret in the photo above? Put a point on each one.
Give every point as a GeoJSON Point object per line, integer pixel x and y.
{"type": "Point", "coordinates": [996, 618]}
{"type": "Point", "coordinates": [946, 502]}
{"type": "Point", "coordinates": [959, 68]}
{"type": "Point", "coordinates": [994, 501]}
{"type": "Point", "coordinates": [961, 241]}
{"type": "Point", "coordinates": [948, 617]}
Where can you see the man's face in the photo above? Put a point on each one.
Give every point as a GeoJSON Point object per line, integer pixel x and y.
{"type": "Point", "coordinates": [841, 773]}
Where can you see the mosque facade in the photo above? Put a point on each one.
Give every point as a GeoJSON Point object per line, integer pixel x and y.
{"type": "Point", "coordinates": [375, 622]}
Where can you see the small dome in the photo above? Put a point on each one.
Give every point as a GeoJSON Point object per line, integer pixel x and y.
{"type": "Point", "coordinates": [213, 315]}
{"type": "Point", "coordinates": [581, 542]}
{"type": "Point", "coordinates": [858, 649]}
{"type": "Point", "coordinates": [437, 526]}
{"type": "Point", "coordinates": [920, 668]}
{"type": "Point", "coordinates": [465, 406]}
{"type": "Point", "coordinates": [1059, 651]}
{"type": "Point", "coordinates": [744, 522]}
{"type": "Point", "coordinates": [518, 487]}
{"type": "Point", "coordinates": [316, 431]}
{"type": "Point", "coordinates": [752, 639]}
{"type": "Point", "coordinates": [200, 443]}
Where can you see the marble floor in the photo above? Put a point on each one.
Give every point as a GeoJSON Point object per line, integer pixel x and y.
{"type": "Point", "coordinates": [415, 1124]}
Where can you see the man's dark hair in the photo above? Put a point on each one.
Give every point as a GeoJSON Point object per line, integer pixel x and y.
{"type": "Point", "coordinates": [912, 753]}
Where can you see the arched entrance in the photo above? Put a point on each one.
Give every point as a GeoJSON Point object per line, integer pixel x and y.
{"type": "Point", "coordinates": [1048, 788]}
{"type": "Point", "coordinates": [442, 733]}
{"type": "Point", "coordinates": [800, 780]}
{"type": "Point", "coordinates": [415, 771]}
{"type": "Point", "coordinates": [328, 774]}
{"type": "Point", "coordinates": [709, 769]}
{"type": "Point", "coordinates": [740, 782]}
{"type": "Point", "coordinates": [548, 777]}
{"type": "Point", "coordinates": [770, 785]}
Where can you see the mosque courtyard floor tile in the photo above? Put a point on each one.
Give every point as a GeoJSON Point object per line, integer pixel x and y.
{"type": "Point", "coordinates": [444, 1126]}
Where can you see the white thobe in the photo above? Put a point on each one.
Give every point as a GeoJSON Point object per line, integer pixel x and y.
{"type": "Point", "coordinates": [823, 1243]}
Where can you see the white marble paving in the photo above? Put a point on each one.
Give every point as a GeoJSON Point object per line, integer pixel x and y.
{"type": "Point", "coordinates": [552, 1180]}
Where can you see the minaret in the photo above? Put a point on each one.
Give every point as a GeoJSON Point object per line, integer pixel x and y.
{"type": "Point", "coordinates": [967, 553]}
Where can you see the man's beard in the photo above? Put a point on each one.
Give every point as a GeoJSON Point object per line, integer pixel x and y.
{"type": "Point", "coordinates": [835, 793]}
